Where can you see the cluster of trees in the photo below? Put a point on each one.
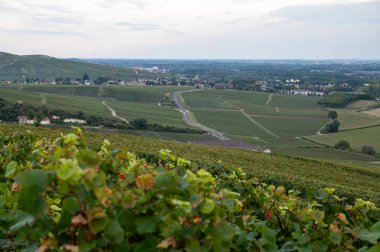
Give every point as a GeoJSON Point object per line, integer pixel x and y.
{"type": "Point", "coordinates": [373, 90]}
{"type": "Point", "coordinates": [342, 99]}
{"type": "Point", "coordinates": [333, 125]}
{"type": "Point", "coordinates": [366, 149]}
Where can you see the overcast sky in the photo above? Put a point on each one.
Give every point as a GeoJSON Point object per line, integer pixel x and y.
{"type": "Point", "coordinates": [201, 29]}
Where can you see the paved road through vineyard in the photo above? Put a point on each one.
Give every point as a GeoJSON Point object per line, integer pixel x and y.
{"type": "Point", "coordinates": [189, 120]}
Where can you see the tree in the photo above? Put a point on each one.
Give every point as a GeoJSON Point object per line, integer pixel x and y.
{"type": "Point", "coordinates": [85, 77]}
{"type": "Point", "coordinates": [343, 145]}
{"type": "Point", "coordinates": [332, 127]}
{"type": "Point", "coordinates": [39, 117]}
{"type": "Point", "coordinates": [140, 123]}
{"type": "Point", "coordinates": [332, 114]}
{"type": "Point", "coordinates": [30, 114]}
{"type": "Point", "coordinates": [80, 115]}
{"type": "Point", "coordinates": [67, 80]}
{"type": "Point", "coordinates": [368, 150]}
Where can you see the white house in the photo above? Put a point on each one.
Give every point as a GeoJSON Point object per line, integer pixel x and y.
{"type": "Point", "coordinates": [72, 120]}
{"type": "Point", "coordinates": [45, 121]}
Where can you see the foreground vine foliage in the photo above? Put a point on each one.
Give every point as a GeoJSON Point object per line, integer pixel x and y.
{"type": "Point", "coordinates": [64, 196]}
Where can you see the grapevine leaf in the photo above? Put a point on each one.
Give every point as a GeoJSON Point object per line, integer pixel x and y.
{"type": "Point", "coordinates": [375, 248]}
{"type": "Point", "coordinates": [114, 232]}
{"type": "Point", "coordinates": [222, 235]}
{"type": "Point", "coordinates": [32, 184]}
{"type": "Point", "coordinates": [146, 224]}
{"type": "Point", "coordinates": [22, 221]}
{"type": "Point", "coordinates": [69, 209]}
{"type": "Point", "coordinates": [11, 169]}
{"type": "Point", "coordinates": [208, 206]}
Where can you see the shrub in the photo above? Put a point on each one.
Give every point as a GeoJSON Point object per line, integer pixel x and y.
{"type": "Point", "coordinates": [332, 114]}
{"type": "Point", "coordinates": [368, 150]}
{"type": "Point", "coordinates": [331, 127]}
{"type": "Point", "coordinates": [343, 145]}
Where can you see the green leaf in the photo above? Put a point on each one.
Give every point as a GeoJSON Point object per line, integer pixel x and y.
{"type": "Point", "coordinates": [69, 209]}
{"type": "Point", "coordinates": [11, 169]}
{"type": "Point", "coordinates": [373, 235]}
{"type": "Point", "coordinates": [222, 235]}
{"type": "Point", "coordinates": [70, 171]}
{"type": "Point", "coordinates": [32, 183]}
{"type": "Point", "coordinates": [184, 205]}
{"type": "Point", "coordinates": [22, 221]}
{"type": "Point", "coordinates": [88, 156]}
{"type": "Point", "coordinates": [146, 224]}
{"type": "Point", "coordinates": [114, 232]}
{"type": "Point", "coordinates": [375, 248]}
{"type": "Point", "coordinates": [208, 206]}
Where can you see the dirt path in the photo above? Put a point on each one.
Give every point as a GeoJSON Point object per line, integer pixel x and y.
{"type": "Point", "coordinates": [253, 121]}
{"type": "Point", "coordinates": [258, 124]}
{"type": "Point", "coordinates": [101, 92]}
{"type": "Point", "coordinates": [43, 99]}
{"type": "Point", "coordinates": [269, 100]}
{"type": "Point", "coordinates": [113, 112]}
{"type": "Point", "coordinates": [319, 133]}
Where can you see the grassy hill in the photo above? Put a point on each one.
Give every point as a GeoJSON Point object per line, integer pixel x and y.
{"type": "Point", "coordinates": [15, 67]}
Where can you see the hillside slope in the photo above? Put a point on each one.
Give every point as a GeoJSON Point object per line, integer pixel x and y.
{"type": "Point", "coordinates": [302, 174]}
{"type": "Point", "coordinates": [15, 67]}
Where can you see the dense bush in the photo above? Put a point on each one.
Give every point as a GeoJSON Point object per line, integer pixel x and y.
{"type": "Point", "coordinates": [62, 195]}
{"type": "Point", "coordinates": [332, 114]}
{"type": "Point", "coordinates": [331, 127]}
{"type": "Point", "coordinates": [343, 145]}
{"type": "Point", "coordinates": [368, 150]}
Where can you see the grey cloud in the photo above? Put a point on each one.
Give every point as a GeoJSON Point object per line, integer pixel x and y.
{"type": "Point", "coordinates": [367, 12]}
{"type": "Point", "coordinates": [139, 26]}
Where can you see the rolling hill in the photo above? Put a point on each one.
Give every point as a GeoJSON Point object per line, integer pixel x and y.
{"type": "Point", "coordinates": [16, 67]}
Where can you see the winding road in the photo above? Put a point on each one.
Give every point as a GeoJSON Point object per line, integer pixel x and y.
{"type": "Point", "coordinates": [189, 119]}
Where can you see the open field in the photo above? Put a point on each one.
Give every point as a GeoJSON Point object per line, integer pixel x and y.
{"type": "Point", "coordinates": [361, 104]}
{"type": "Point", "coordinates": [357, 138]}
{"type": "Point", "coordinates": [257, 114]}
{"type": "Point", "coordinates": [373, 112]}
{"type": "Point", "coordinates": [302, 174]}
{"type": "Point", "coordinates": [352, 119]}
{"type": "Point", "coordinates": [330, 154]}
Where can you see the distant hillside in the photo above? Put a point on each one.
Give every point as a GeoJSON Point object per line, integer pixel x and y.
{"type": "Point", "coordinates": [15, 67]}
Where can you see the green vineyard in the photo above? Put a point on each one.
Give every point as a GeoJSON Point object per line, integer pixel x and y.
{"type": "Point", "coordinates": [294, 173]}
{"type": "Point", "coordinates": [62, 195]}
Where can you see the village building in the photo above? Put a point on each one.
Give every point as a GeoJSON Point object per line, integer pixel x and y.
{"type": "Point", "coordinates": [45, 121]}
{"type": "Point", "coordinates": [72, 120]}
{"type": "Point", "coordinates": [22, 119]}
